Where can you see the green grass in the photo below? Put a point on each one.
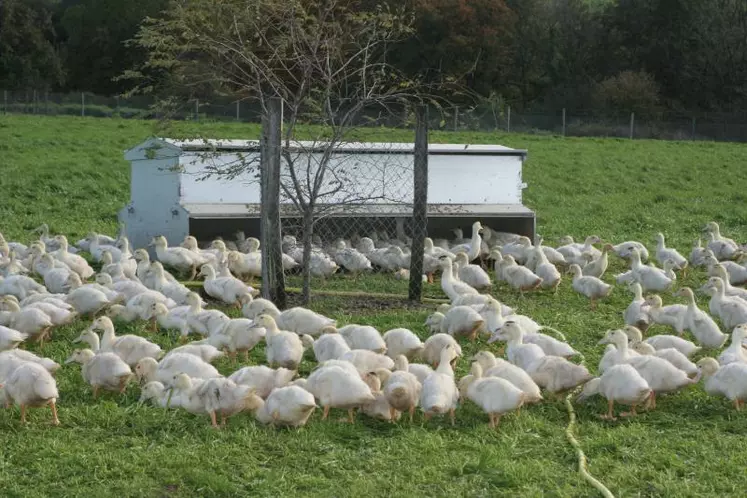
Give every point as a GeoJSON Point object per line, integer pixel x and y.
{"type": "Point", "coordinates": [69, 172]}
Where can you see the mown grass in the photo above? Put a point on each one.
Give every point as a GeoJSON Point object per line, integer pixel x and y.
{"type": "Point", "coordinates": [69, 172]}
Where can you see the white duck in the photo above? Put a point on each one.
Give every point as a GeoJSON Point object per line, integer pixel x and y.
{"type": "Point", "coordinates": [178, 257]}
{"type": "Point", "coordinates": [458, 321]}
{"type": "Point", "coordinates": [239, 335]}
{"type": "Point", "coordinates": [673, 315]}
{"type": "Point", "coordinates": [698, 254]}
{"type": "Point", "coordinates": [735, 352]}
{"type": "Point", "coordinates": [148, 369]}
{"type": "Point", "coordinates": [496, 396]}
{"type": "Point", "coordinates": [284, 348]}
{"type": "Point", "coordinates": [522, 355]}
{"type": "Point", "coordinates": [126, 288]}
{"type": "Point", "coordinates": [672, 355]}
{"type": "Point", "coordinates": [624, 249]}
{"type": "Point", "coordinates": [436, 343]}
{"type": "Point", "coordinates": [723, 248]}
{"type": "Point", "coordinates": [650, 277]}
{"type": "Point", "coordinates": [617, 352]}
{"type": "Point", "coordinates": [440, 394]}
{"type": "Point", "coordinates": [173, 290]}
{"type": "Point", "coordinates": [58, 315]}
{"type": "Point", "coordinates": [719, 270]}
{"type": "Point", "coordinates": [702, 326]}
{"type": "Point", "coordinates": [597, 266]}
{"type": "Point", "coordinates": [401, 388]}
{"type": "Point", "coordinates": [737, 273]}
{"type": "Point", "coordinates": [31, 321]}
{"type": "Point", "coordinates": [731, 309]}
{"type": "Point", "coordinates": [367, 361]}
{"type": "Point", "coordinates": [729, 380]}
{"type": "Point", "coordinates": [636, 314]}
{"type": "Point", "coordinates": [574, 253]}
{"type": "Point", "coordinates": [285, 406]}
{"type": "Point", "coordinates": [11, 338]}
{"type": "Point", "coordinates": [453, 288]}
{"type": "Point", "coordinates": [589, 286]}
{"type": "Point", "coordinates": [401, 341]}
{"type": "Point", "coordinates": [104, 370]}
{"type": "Point", "coordinates": [31, 385]}
{"type": "Point", "coordinates": [205, 352]}
{"type": "Point", "coordinates": [659, 342]}
{"type": "Point", "coordinates": [96, 248]}
{"type": "Point", "coordinates": [363, 337]}
{"type": "Point", "coordinates": [225, 289]}
{"type": "Point", "coordinates": [472, 275]}
{"type": "Point", "coordinates": [622, 384]}
{"type": "Point", "coordinates": [329, 346]}
{"type": "Point", "coordinates": [474, 246]}
{"type": "Point", "coordinates": [76, 263]}
{"type": "Point", "coordinates": [338, 387]}
{"type": "Point", "coordinates": [498, 367]}
{"type": "Point", "coordinates": [56, 280]}
{"type": "Point", "coordinates": [131, 348]}
{"type": "Point", "coordinates": [519, 277]}
{"type": "Point", "coordinates": [20, 286]}
{"type": "Point", "coordinates": [263, 379]}
{"type": "Point", "coordinates": [546, 270]}
{"type": "Point", "coordinates": [664, 253]}
{"type": "Point", "coordinates": [203, 322]}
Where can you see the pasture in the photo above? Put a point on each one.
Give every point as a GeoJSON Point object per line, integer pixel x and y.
{"type": "Point", "coordinates": [69, 173]}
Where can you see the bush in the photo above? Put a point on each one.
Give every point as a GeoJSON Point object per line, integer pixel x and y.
{"type": "Point", "coordinates": [629, 92]}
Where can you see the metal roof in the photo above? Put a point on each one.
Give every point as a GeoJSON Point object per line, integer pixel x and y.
{"type": "Point", "coordinates": [207, 145]}
{"type": "Point", "coordinates": [217, 210]}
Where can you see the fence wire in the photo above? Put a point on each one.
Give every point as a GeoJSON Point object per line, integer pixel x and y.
{"type": "Point", "coordinates": [696, 125]}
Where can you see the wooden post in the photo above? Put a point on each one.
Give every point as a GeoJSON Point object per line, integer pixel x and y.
{"type": "Point", "coordinates": [82, 104]}
{"type": "Point", "coordinates": [46, 101]}
{"type": "Point", "coordinates": [237, 111]}
{"type": "Point", "coordinates": [508, 120]}
{"type": "Point", "coordinates": [116, 104]}
{"type": "Point", "coordinates": [197, 109]}
{"type": "Point", "coordinates": [456, 118]}
{"type": "Point", "coordinates": [420, 203]}
{"type": "Point", "coordinates": [563, 121]}
{"type": "Point", "coordinates": [632, 124]}
{"type": "Point", "coordinates": [35, 99]}
{"type": "Point", "coordinates": [5, 101]}
{"type": "Point", "coordinates": [692, 133]}
{"type": "Point", "coordinates": [273, 278]}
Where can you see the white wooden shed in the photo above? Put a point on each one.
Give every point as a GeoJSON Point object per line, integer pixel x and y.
{"type": "Point", "coordinates": [170, 195]}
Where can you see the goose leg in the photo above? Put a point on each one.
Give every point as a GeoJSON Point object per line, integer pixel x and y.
{"type": "Point", "coordinates": [631, 413]}
{"type": "Point", "coordinates": [593, 303]}
{"type": "Point", "coordinates": [497, 420]}
{"type": "Point", "coordinates": [153, 325]}
{"type": "Point", "coordinates": [95, 392]}
{"type": "Point", "coordinates": [737, 405]}
{"type": "Point", "coordinates": [491, 417]}
{"type": "Point", "coordinates": [609, 415]}
{"type": "Point", "coordinates": [412, 412]}
{"type": "Point", "coordinates": [326, 413]}
{"type": "Point", "coordinates": [246, 355]}
{"type": "Point", "coordinates": [55, 420]}
{"type": "Point", "coordinates": [452, 416]}
{"type": "Point", "coordinates": [213, 420]}
{"type": "Point", "coordinates": [351, 415]}
{"type": "Point", "coordinates": [193, 273]}
{"type": "Point", "coordinates": [392, 414]}
{"type": "Point", "coordinates": [23, 413]}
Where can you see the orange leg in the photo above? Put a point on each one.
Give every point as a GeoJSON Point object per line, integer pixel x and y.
{"type": "Point", "coordinates": [55, 420]}
{"type": "Point", "coordinates": [326, 413]}
{"type": "Point", "coordinates": [213, 421]}
{"type": "Point", "coordinates": [631, 413]}
{"type": "Point", "coordinates": [452, 416]}
{"type": "Point", "coordinates": [95, 392]}
{"type": "Point", "coordinates": [412, 412]}
{"type": "Point", "coordinates": [497, 421]}
{"type": "Point", "coordinates": [351, 415]}
{"type": "Point", "coordinates": [392, 414]}
{"type": "Point", "coordinates": [246, 355]}
{"type": "Point", "coordinates": [23, 413]}
{"type": "Point", "coordinates": [491, 417]}
{"type": "Point", "coordinates": [609, 415]}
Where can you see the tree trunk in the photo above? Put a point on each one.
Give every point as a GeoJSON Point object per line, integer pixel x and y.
{"type": "Point", "coordinates": [273, 277]}
{"type": "Point", "coordinates": [420, 203]}
{"type": "Point", "coordinates": [308, 232]}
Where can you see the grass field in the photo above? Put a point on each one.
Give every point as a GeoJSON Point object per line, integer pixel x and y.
{"type": "Point", "coordinates": [69, 172]}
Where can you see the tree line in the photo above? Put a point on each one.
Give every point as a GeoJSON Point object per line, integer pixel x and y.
{"type": "Point", "coordinates": [642, 56]}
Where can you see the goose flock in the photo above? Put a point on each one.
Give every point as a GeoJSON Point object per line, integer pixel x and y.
{"type": "Point", "coordinates": [49, 284]}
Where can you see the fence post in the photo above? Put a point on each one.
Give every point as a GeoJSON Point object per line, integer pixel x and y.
{"type": "Point", "coordinates": [692, 134]}
{"type": "Point", "coordinates": [237, 111]}
{"type": "Point", "coordinates": [420, 203]}
{"type": "Point", "coordinates": [632, 124]}
{"type": "Point", "coordinates": [273, 279]}
{"type": "Point", "coordinates": [33, 108]}
{"type": "Point", "coordinates": [116, 105]}
{"type": "Point", "coordinates": [563, 121]}
{"type": "Point", "coordinates": [456, 118]}
{"type": "Point", "coordinates": [5, 101]}
{"type": "Point", "coordinates": [82, 104]}
{"type": "Point", "coordinates": [46, 102]}
{"type": "Point", "coordinates": [197, 109]}
{"type": "Point", "coordinates": [508, 119]}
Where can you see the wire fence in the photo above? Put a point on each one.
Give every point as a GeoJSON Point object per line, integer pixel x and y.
{"type": "Point", "coordinates": [730, 127]}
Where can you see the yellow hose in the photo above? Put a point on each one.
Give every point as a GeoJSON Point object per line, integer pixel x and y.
{"type": "Point", "coordinates": [569, 432]}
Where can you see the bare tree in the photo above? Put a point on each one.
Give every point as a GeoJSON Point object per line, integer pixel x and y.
{"type": "Point", "coordinates": [326, 60]}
